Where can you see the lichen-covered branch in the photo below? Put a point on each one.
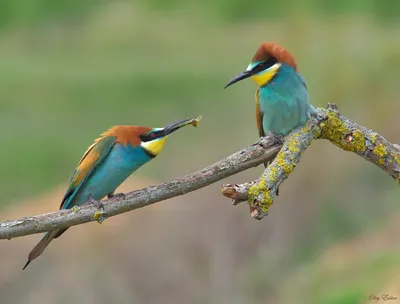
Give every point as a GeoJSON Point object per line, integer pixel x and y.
{"type": "Point", "coordinates": [325, 124]}
{"type": "Point", "coordinates": [264, 150]}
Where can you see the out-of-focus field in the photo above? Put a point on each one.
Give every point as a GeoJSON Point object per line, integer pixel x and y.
{"type": "Point", "coordinates": [67, 75]}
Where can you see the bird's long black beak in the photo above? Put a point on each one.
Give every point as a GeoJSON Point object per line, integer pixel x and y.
{"type": "Point", "coordinates": [179, 124]}
{"type": "Point", "coordinates": [241, 76]}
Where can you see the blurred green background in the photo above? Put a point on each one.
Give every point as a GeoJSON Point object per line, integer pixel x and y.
{"type": "Point", "coordinates": [70, 69]}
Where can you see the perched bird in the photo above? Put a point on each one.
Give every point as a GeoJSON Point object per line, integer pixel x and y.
{"type": "Point", "coordinates": [282, 101]}
{"type": "Point", "coordinates": [107, 163]}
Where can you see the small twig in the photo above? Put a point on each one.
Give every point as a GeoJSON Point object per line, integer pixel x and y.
{"type": "Point", "coordinates": [325, 124]}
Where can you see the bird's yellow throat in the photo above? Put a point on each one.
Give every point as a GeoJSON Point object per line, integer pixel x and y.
{"type": "Point", "coordinates": [154, 146]}
{"type": "Point", "coordinates": [264, 77]}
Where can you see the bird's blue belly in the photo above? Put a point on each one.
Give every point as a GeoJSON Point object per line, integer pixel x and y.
{"type": "Point", "coordinates": [284, 103]}
{"type": "Point", "coordinates": [284, 116]}
{"type": "Point", "coordinates": [120, 163]}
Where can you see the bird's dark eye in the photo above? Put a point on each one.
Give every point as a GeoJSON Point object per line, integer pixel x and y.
{"type": "Point", "coordinates": [153, 135]}
{"type": "Point", "coordinates": [260, 66]}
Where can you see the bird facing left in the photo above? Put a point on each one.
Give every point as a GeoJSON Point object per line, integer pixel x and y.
{"type": "Point", "coordinates": [107, 163]}
{"type": "Point", "coordinates": [282, 101]}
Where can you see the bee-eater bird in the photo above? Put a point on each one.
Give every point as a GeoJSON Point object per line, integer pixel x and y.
{"type": "Point", "coordinates": [282, 101]}
{"type": "Point", "coordinates": [106, 164]}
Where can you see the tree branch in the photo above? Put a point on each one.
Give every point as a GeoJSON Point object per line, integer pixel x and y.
{"type": "Point", "coordinates": [325, 124]}
{"type": "Point", "coordinates": [265, 149]}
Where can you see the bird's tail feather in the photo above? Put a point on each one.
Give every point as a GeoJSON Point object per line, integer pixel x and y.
{"type": "Point", "coordinates": [41, 246]}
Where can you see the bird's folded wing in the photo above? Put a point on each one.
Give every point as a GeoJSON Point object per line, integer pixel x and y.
{"type": "Point", "coordinates": [92, 158]}
{"type": "Point", "coordinates": [259, 115]}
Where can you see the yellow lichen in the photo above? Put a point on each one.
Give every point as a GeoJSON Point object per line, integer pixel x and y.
{"type": "Point", "coordinates": [334, 130]}
{"type": "Point", "coordinates": [306, 128]}
{"type": "Point", "coordinates": [358, 141]}
{"type": "Point", "coordinates": [318, 131]}
{"type": "Point", "coordinates": [380, 150]}
{"type": "Point", "coordinates": [99, 216]}
{"type": "Point", "coordinates": [260, 190]}
{"type": "Point", "coordinates": [280, 160]}
{"type": "Point", "coordinates": [373, 138]}
{"type": "Point", "coordinates": [75, 208]}
{"type": "Point", "coordinates": [396, 158]}
{"type": "Point", "coordinates": [272, 172]}
{"type": "Point", "coordinates": [292, 145]}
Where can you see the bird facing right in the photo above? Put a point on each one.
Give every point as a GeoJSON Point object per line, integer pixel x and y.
{"type": "Point", "coordinates": [106, 164]}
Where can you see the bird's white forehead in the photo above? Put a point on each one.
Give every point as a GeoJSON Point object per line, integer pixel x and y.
{"type": "Point", "coordinates": [251, 66]}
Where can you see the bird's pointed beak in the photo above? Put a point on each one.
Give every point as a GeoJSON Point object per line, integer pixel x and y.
{"type": "Point", "coordinates": [241, 76]}
{"type": "Point", "coordinates": [177, 125]}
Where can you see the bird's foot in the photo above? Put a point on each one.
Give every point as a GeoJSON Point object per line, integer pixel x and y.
{"type": "Point", "coordinates": [116, 195]}
{"type": "Point", "coordinates": [98, 204]}
{"type": "Point", "coordinates": [100, 215]}
{"type": "Point", "coordinates": [277, 139]}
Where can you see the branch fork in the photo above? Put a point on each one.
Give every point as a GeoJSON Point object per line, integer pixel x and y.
{"type": "Point", "coordinates": [324, 124]}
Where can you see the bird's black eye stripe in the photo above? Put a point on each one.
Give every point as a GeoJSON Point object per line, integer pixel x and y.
{"type": "Point", "coordinates": [150, 136]}
{"type": "Point", "coordinates": [146, 137]}
{"type": "Point", "coordinates": [264, 65]}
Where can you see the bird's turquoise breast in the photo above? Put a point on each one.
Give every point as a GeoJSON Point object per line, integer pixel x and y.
{"type": "Point", "coordinates": [119, 164]}
{"type": "Point", "coordinates": [284, 102]}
